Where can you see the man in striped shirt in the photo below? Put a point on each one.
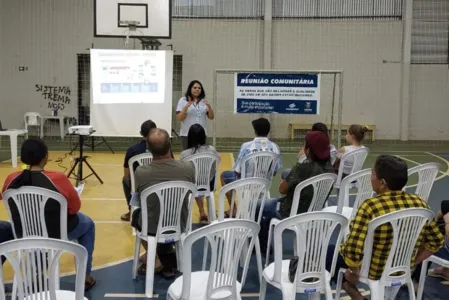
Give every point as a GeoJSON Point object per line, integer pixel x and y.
{"type": "Point", "coordinates": [260, 143]}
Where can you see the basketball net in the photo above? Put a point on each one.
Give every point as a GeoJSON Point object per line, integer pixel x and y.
{"type": "Point", "coordinates": [132, 28]}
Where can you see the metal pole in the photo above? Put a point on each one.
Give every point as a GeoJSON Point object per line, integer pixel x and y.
{"type": "Point", "coordinates": [333, 106]}
{"type": "Point", "coordinates": [340, 110]}
{"type": "Point", "coordinates": [214, 101]}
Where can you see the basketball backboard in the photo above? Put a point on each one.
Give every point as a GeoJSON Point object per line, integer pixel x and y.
{"type": "Point", "coordinates": [132, 18]}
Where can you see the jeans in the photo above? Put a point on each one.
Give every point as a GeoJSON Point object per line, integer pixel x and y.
{"type": "Point", "coordinates": [228, 177]}
{"type": "Point", "coordinates": [6, 234]}
{"type": "Point", "coordinates": [269, 212]}
{"type": "Point", "coordinates": [126, 182]}
{"type": "Point", "coordinates": [85, 234]}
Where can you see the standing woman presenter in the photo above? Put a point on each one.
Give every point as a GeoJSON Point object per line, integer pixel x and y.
{"type": "Point", "coordinates": [192, 109]}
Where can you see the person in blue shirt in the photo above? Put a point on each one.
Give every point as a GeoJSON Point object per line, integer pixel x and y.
{"type": "Point", "coordinates": [260, 143]}
{"type": "Point", "coordinates": [134, 150]}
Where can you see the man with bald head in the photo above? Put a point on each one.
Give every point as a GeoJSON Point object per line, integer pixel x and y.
{"type": "Point", "coordinates": [162, 169]}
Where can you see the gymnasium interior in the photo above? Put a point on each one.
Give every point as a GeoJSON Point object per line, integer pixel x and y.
{"type": "Point", "coordinates": [382, 63]}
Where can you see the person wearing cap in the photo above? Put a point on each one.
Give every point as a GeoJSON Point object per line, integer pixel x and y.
{"type": "Point", "coordinates": [318, 162]}
{"type": "Point", "coordinates": [260, 143]}
{"type": "Point", "coordinates": [134, 150]}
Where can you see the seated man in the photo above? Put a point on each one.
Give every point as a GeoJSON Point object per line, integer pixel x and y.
{"type": "Point", "coordinates": [163, 168]}
{"type": "Point", "coordinates": [137, 149]}
{"type": "Point", "coordinates": [388, 179]}
{"type": "Point", "coordinates": [260, 143]}
{"type": "Point", "coordinates": [318, 162]}
{"type": "Point", "coordinates": [6, 234]}
{"type": "Point", "coordinates": [34, 153]}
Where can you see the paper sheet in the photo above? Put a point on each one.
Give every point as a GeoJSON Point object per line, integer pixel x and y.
{"type": "Point", "coordinates": [80, 188]}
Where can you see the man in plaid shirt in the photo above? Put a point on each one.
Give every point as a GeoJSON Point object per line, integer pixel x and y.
{"type": "Point", "coordinates": [388, 178]}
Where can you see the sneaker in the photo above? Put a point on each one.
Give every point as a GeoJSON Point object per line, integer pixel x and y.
{"type": "Point", "coordinates": [126, 217]}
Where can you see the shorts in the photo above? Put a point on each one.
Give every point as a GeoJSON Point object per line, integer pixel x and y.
{"type": "Point", "coordinates": [228, 177]}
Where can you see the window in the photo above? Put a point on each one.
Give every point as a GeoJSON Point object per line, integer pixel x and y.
{"type": "Point", "coordinates": [247, 9]}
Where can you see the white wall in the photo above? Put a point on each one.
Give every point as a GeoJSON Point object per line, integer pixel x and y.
{"type": "Point", "coordinates": [46, 36]}
{"type": "Point", "coordinates": [429, 102]}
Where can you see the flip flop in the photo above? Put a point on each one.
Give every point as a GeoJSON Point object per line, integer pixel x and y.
{"type": "Point", "coordinates": [204, 220]}
{"type": "Point", "coordinates": [437, 275]}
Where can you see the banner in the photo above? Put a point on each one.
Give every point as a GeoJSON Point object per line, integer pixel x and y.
{"type": "Point", "coordinates": [277, 93]}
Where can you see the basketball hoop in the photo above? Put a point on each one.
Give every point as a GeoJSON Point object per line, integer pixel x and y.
{"type": "Point", "coordinates": [132, 27]}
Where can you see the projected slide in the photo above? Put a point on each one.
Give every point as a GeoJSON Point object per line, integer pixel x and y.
{"type": "Point", "coordinates": [127, 76]}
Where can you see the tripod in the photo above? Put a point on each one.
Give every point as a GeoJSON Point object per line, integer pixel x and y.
{"type": "Point", "coordinates": [79, 162]}
{"type": "Point", "coordinates": [92, 145]}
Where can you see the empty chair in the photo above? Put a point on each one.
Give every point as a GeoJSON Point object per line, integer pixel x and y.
{"type": "Point", "coordinates": [204, 164]}
{"type": "Point", "coordinates": [406, 226]}
{"type": "Point", "coordinates": [172, 196]}
{"type": "Point", "coordinates": [355, 160]}
{"type": "Point", "coordinates": [426, 177]}
{"type": "Point", "coordinates": [226, 239]}
{"type": "Point", "coordinates": [313, 232]}
{"type": "Point", "coordinates": [34, 119]}
{"type": "Point", "coordinates": [35, 265]}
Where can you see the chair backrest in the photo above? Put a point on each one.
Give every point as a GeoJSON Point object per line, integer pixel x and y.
{"type": "Point", "coordinates": [355, 159]}
{"type": "Point", "coordinates": [322, 185]}
{"type": "Point", "coordinates": [248, 191]}
{"type": "Point", "coordinates": [32, 119]}
{"type": "Point", "coordinates": [259, 164]}
{"type": "Point", "coordinates": [142, 160]}
{"type": "Point", "coordinates": [204, 164]}
{"type": "Point", "coordinates": [426, 177]}
{"type": "Point", "coordinates": [30, 203]}
{"type": "Point", "coordinates": [171, 195]}
{"type": "Point", "coordinates": [35, 265]}
{"type": "Point", "coordinates": [405, 227]}
{"type": "Point", "coordinates": [313, 232]}
{"type": "Point", "coordinates": [227, 239]}
{"type": "Point", "coordinates": [361, 180]}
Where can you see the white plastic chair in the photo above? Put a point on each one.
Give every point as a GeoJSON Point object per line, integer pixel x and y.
{"type": "Point", "coordinates": [143, 159]}
{"type": "Point", "coordinates": [422, 278]}
{"type": "Point", "coordinates": [313, 232]}
{"type": "Point", "coordinates": [226, 239]}
{"type": "Point", "coordinates": [203, 163]}
{"type": "Point", "coordinates": [171, 195]}
{"type": "Point", "coordinates": [322, 186]}
{"type": "Point", "coordinates": [406, 226]}
{"type": "Point", "coordinates": [361, 180]}
{"type": "Point", "coordinates": [33, 119]}
{"type": "Point", "coordinates": [357, 159]}
{"type": "Point", "coordinates": [426, 177]}
{"type": "Point", "coordinates": [34, 262]}
{"type": "Point", "coordinates": [259, 164]}
{"type": "Point", "coordinates": [249, 192]}
{"type": "Point", "coordinates": [31, 202]}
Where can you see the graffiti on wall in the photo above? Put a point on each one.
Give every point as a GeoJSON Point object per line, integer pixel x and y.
{"type": "Point", "coordinates": [57, 96]}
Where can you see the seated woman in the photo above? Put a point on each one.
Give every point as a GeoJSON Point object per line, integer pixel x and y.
{"type": "Point", "coordinates": [196, 141]}
{"type": "Point", "coordinates": [317, 151]}
{"type": "Point", "coordinates": [333, 150]}
{"type": "Point", "coordinates": [34, 153]}
{"type": "Point", "coordinates": [354, 137]}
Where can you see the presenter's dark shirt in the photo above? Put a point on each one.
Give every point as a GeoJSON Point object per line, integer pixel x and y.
{"type": "Point", "coordinates": [137, 149]}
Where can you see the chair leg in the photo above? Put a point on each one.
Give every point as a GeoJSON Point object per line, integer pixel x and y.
{"type": "Point", "coordinates": [179, 255]}
{"type": "Point", "coordinates": [244, 253]}
{"type": "Point", "coordinates": [136, 256]}
{"type": "Point", "coordinates": [341, 273]}
{"type": "Point", "coordinates": [422, 280]}
{"type": "Point", "coordinates": [377, 289]}
{"type": "Point", "coordinates": [263, 289]}
{"type": "Point", "coordinates": [211, 207]}
{"type": "Point", "coordinates": [270, 237]}
{"type": "Point", "coordinates": [259, 259]}
{"type": "Point", "coordinates": [328, 291]}
{"type": "Point", "coordinates": [411, 290]}
{"type": "Point", "coordinates": [151, 256]}
{"type": "Point", "coordinates": [206, 244]}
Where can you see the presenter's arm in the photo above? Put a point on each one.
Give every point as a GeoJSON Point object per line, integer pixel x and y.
{"type": "Point", "coordinates": [182, 113]}
{"type": "Point", "coordinates": [210, 111]}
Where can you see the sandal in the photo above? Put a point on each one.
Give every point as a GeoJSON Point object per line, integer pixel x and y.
{"type": "Point", "coordinates": [204, 220]}
{"type": "Point", "coordinates": [142, 270]}
{"type": "Point", "coordinates": [434, 274]}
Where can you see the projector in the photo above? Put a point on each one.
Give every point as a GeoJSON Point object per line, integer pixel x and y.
{"type": "Point", "coordinates": [81, 130]}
